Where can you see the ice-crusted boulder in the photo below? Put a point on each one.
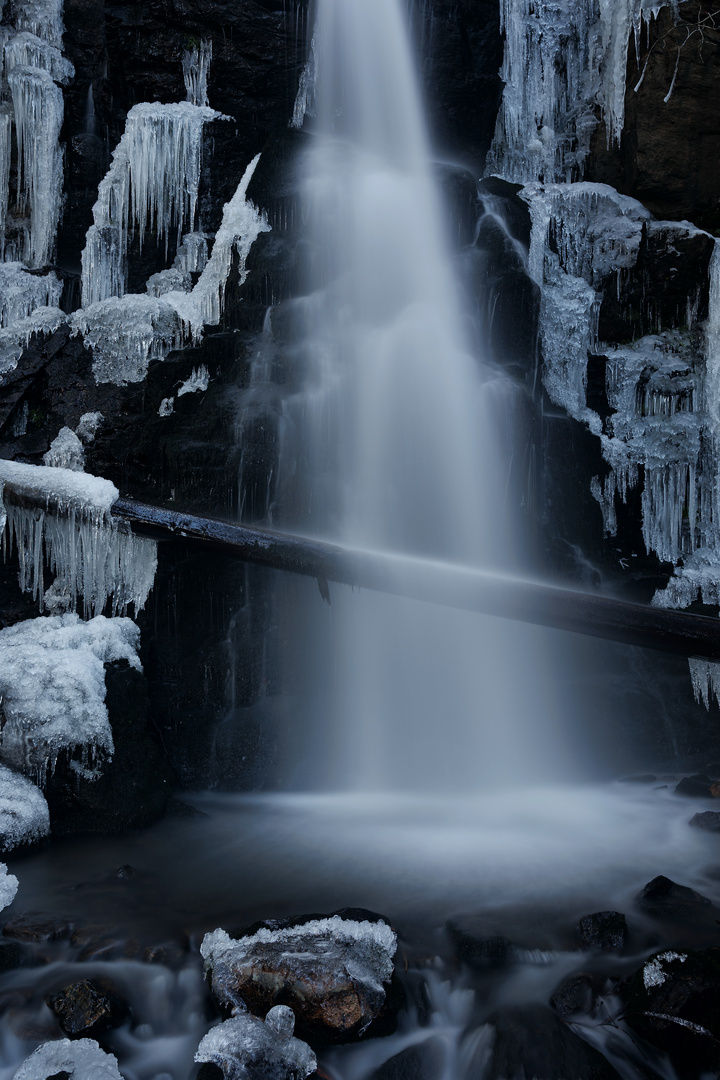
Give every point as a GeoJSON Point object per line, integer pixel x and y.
{"type": "Point", "coordinates": [81, 1059]}
{"type": "Point", "coordinates": [333, 972]}
{"type": "Point", "coordinates": [24, 816]}
{"type": "Point", "coordinates": [52, 687]}
{"type": "Point", "coordinates": [247, 1048]}
{"type": "Point", "coordinates": [8, 887]}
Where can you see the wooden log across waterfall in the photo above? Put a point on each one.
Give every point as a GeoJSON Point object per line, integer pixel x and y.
{"type": "Point", "coordinates": [494, 594]}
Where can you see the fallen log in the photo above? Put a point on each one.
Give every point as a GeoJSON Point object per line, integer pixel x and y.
{"type": "Point", "coordinates": [503, 596]}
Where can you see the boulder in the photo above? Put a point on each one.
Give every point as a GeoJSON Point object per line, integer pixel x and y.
{"type": "Point", "coordinates": [665, 899]}
{"type": "Point", "coordinates": [427, 1061]}
{"type": "Point", "coordinates": [333, 972]}
{"type": "Point", "coordinates": [709, 820]}
{"type": "Point", "coordinates": [695, 787]}
{"type": "Point", "coordinates": [247, 1048]}
{"type": "Point", "coordinates": [80, 1060]}
{"type": "Point", "coordinates": [606, 931]}
{"type": "Point", "coordinates": [575, 994]}
{"type": "Point", "coordinates": [84, 1008]}
{"type": "Point", "coordinates": [673, 1001]}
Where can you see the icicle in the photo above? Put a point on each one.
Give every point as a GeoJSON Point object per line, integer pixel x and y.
{"type": "Point", "coordinates": [307, 90]}
{"type": "Point", "coordinates": [43, 18]}
{"type": "Point", "coordinates": [21, 293]}
{"type": "Point", "coordinates": [26, 50]}
{"type": "Point", "coordinates": [5, 160]}
{"type": "Point", "coordinates": [196, 65]}
{"type": "Point", "coordinates": [192, 255]}
{"type": "Point", "coordinates": [199, 380]}
{"type": "Point", "coordinates": [88, 551]}
{"type": "Point", "coordinates": [705, 675]}
{"type": "Point", "coordinates": [15, 338]}
{"type": "Point", "coordinates": [152, 182]}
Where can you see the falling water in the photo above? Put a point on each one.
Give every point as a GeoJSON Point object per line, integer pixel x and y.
{"type": "Point", "coordinates": [404, 436]}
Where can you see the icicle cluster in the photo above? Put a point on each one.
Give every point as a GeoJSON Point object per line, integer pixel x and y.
{"type": "Point", "coordinates": [152, 183]}
{"type": "Point", "coordinates": [34, 66]}
{"type": "Point", "coordinates": [196, 65]}
{"type": "Point", "coordinates": [16, 337]}
{"type": "Point", "coordinates": [305, 101]}
{"type": "Point", "coordinates": [562, 59]}
{"type": "Point", "coordinates": [61, 518]}
{"type": "Point", "coordinates": [21, 293]}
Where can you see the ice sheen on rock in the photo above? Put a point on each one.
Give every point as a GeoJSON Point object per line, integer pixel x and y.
{"type": "Point", "coordinates": [24, 816]}
{"type": "Point", "coordinates": [315, 956]}
{"type": "Point", "coordinates": [69, 526]}
{"type": "Point", "coordinates": [247, 1048]}
{"type": "Point", "coordinates": [562, 59]}
{"type": "Point", "coordinates": [52, 685]}
{"type": "Point", "coordinates": [82, 1059]}
{"type": "Point", "coordinates": [153, 182]}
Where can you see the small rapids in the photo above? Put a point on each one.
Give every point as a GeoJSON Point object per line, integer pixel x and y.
{"type": "Point", "coordinates": [525, 864]}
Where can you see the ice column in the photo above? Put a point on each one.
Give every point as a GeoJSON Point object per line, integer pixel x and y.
{"type": "Point", "coordinates": [196, 65]}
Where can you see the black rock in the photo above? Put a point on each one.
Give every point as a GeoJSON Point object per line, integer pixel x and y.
{"type": "Point", "coordinates": [604, 930]}
{"type": "Point", "coordinates": [479, 950]}
{"type": "Point", "coordinates": [37, 926]}
{"type": "Point", "coordinates": [531, 1041]}
{"type": "Point", "coordinates": [13, 955]}
{"type": "Point", "coordinates": [576, 994]}
{"type": "Point", "coordinates": [709, 820]}
{"type": "Point", "coordinates": [666, 899]}
{"type": "Point", "coordinates": [695, 787]}
{"type": "Point", "coordinates": [208, 1071]}
{"type": "Point", "coordinates": [84, 1009]}
{"type": "Point", "coordinates": [673, 1001]}
{"type": "Point", "coordinates": [423, 1062]}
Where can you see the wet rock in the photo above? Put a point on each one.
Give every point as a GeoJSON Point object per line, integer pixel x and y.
{"type": "Point", "coordinates": [604, 930]}
{"type": "Point", "coordinates": [673, 1001]}
{"type": "Point", "coordinates": [695, 787]}
{"type": "Point", "coordinates": [37, 926]}
{"type": "Point", "coordinates": [86, 1009]}
{"type": "Point", "coordinates": [424, 1062]}
{"type": "Point", "coordinates": [664, 898]}
{"type": "Point", "coordinates": [13, 955]}
{"type": "Point", "coordinates": [333, 972]}
{"type": "Point", "coordinates": [576, 994]}
{"type": "Point", "coordinates": [479, 950]}
{"type": "Point", "coordinates": [709, 820]}
{"type": "Point", "coordinates": [531, 1041]}
{"type": "Point", "coordinates": [247, 1048]}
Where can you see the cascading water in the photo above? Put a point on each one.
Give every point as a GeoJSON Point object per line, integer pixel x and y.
{"type": "Point", "coordinates": [399, 436]}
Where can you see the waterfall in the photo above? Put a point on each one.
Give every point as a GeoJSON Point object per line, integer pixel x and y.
{"type": "Point", "coordinates": [399, 436]}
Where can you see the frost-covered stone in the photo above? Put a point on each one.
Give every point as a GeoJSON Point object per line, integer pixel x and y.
{"type": "Point", "coordinates": [8, 887]}
{"type": "Point", "coordinates": [332, 972]}
{"type": "Point", "coordinates": [246, 1048]}
{"type": "Point", "coordinates": [88, 426]}
{"type": "Point", "coordinates": [62, 517]}
{"type": "Point", "coordinates": [80, 1059]}
{"type": "Point", "coordinates": [24, 816]}
{"type": "Point", "coordinates": [167, 406]}
{"type": "Point", "coordinates": [21, 293]}
{"type": "Point", "coordinates": [66, 452]}
{"type": "Point", "coordinates": [52, 686]}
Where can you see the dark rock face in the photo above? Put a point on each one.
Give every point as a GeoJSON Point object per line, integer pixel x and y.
{"type": "Point", "coordinates": [709, 821]}
{"type": "Point", "coordinates": [663, 898]}
{"type": "Point", "coordinates": [695, 787]}
{"type": "Point", "coordinates": [605, 930]}
{"type": "Point", "coordinates": [134, 787]}
{"type": "Point", "coordinates": [84, 1009]}
{"type": "Point", "coordinates": [576, 994]}
{"type": "Point", "coordinates": [673, 1001]}
{"type": "Point", "coordinates": [423, 1062]}
{"type": "Point", "coordinates": [533, 1041]}
{"type": "Point", "coordinates": [669, 150]}
{"type": "Point", "coordinates": [479, 950]}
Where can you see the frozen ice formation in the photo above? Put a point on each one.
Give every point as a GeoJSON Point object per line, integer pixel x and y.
{"type": "Point", "coordinates": [8, 887]}
{"type": "Point", "coordinates": [167, 406]}
{"type": "Point", "coordinates": [66, 452]}
{"type": "Point", "coordinates": [196, 65]}
{"type": "Point", "coordinates": [21, 293]}
{"type": "Point", "coordinates": [336, 959]}
{"type": "Point", "coordinates": [126, 332]}
{"type": "Point", "coordinates": [15, 338]}
{"type": "Point", "coordinates": [34, 66]}
{"type": "Point", "coordinates": [705, 677]}
{"type": "Point", "coordinates": [561, 61]}
{"type": "Point", "coordinates": [653, 974]}
{"type": "Point", "coordinates": [24, 816]}
{"type": "Point", "coordinates": [246, 1048]}
{"type": "Point", "coordinates": [305, 101]}
{"type": "Point", "coordinates": [80, 1059]}
{"type": "Point", "coordinates": [152, 182]}
{"type": "Point", "coordinates": [88, 426]}
{"type": "Point", "coordinates": [62, 517]}
{"type": "Point", "coordinates": [52, 687]}
{"type": "Point", "coordinates": [199, 380]}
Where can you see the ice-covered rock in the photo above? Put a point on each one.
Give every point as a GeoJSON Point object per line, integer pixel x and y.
{"type": "Point", "coordinates": [21, 293]}
{"type": "Point", "coordinates": [192, 255]}
{"type": "Point", "coordinates": [79, 1059]}
{"type": "Point", "coordinates": [15, 338]}
{"type": "Point", "coordinates": [66, 452]}
{"type": "Point", "coordinates": [333, 972]}
{"type": "Point", "coordinates": [24, 816]}
{"type": "Point", "coordinates": [8, 887]}
{"type": "Point", "coordinates": [62, 517]}
{"type": "Point", "coordinates": [88, 426]}
{"type": "Point", "coordinates": [26, 50]}
{"type": "Point", "coordinates": [246, 1048]}
{"type": "Point", "coordinates": [167, 406]}
{"type": "Point", "coordinates": [52, 687]}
